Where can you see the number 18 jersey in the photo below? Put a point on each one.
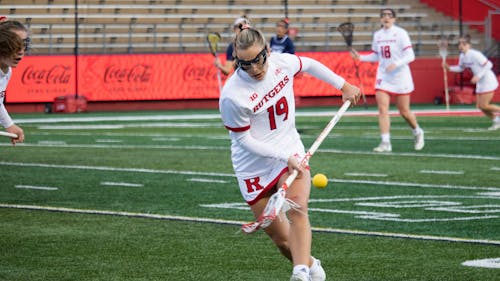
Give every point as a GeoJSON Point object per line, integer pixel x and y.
{"type": "Point", "coordinates": [393, 45]}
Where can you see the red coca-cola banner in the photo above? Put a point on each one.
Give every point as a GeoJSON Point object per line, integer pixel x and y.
{"type": "Point", "coordinates": [153, 77]}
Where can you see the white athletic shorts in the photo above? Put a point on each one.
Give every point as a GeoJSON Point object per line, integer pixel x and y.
{"type": "Point", "coordinates": [487, 83]}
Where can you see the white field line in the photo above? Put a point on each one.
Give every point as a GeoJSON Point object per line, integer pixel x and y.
{"type": "Point", "coordinates": [216, 116]}
{"type": "Point", "coordinates": [239, 223]}
{"type": "Point", "coordinates": [133, 125]}
{"type": "Point", "coordinates": [365, 175]}
{"type": "Point", "coordinates": [155, 171]}
{"type": "Point", "coordinates": [420, 185]}
{"type": "Point", "coordinates": [207, 180]}
{"type": "Point", "coordinates": [108, 141]}
{"type": "Point", "coordinates": [124, 184]}
{"type": "Point", "coordinates": [486, 263]}
{"type": "Point", "coordinates": [35, 187]}
{"type": "Point", "coordinates": [495, 168]}
{"type": "Point", "coordinates": [201, 147]}
{"type": "Point", "coordinates": [441, 172]}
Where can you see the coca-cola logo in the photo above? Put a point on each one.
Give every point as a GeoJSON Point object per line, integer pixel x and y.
{"type": "Point", "coordinates": [57, 74]}
{"type": "Point", "coordinates": [139, 73]}
{"type": "Point", "coordinates": [194, 73]}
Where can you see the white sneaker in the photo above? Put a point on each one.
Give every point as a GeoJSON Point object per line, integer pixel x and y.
{"type": "Point", "coordinates": [317, 272]}
{"type": "Point", "coordinates": [383, 147]}
{"type": "Point", "coordinates": [300, 276]}
{"type": "Point", "coordinates": [495, 126]}
{"type": "Point", "coordinates": [419, 140]}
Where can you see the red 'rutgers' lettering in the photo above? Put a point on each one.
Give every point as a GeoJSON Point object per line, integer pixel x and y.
{"type": "Point", "coordinates": [253, 185]}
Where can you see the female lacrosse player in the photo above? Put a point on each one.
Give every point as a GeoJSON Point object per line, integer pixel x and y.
{"type": "Point", "coordinates": [15, 44]}
{"type": "Point", "coordinates": [484, 78]}
{"type": "Point", "coordinates": [392, 48]}
{"type": "Point", "coordinates": [257, 107]}
{"type": "Point", "coordinates": [229, 66]}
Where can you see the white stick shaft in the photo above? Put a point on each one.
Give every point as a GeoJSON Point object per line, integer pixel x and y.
{"type": "Point", "coordinates": [318, 142]}
{"type": "Point", "coordinates": [10, 135]}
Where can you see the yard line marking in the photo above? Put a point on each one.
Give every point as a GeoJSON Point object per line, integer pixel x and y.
{"type": "Point", "coordinates": [410, 184]}
{"type": "Point", "coordinates": [495, 194]}
{"type": "Point", "coordinates": [108, 141]}
{"type": "Point", "coordinates": [115, 169]}
{"type": "Point", "coordinates": [52, 143]}
{"type": "Point", "coordinates": [207, 180]}
{"type": "Point", "coordinates": [487, 263]}
{"type": "Point", "coordinates": [495, 168]}
{"type": "Point", "coordinates": [190, 116]}
{"type": "Point", "coordinates": [239, 223]}
{"type": "Point", "coordinates": [485, 195]}
{"type": "Point", "coordinates": [165, 139]}
{"type": "Point", "coordinates": [152, 171]}
{"type": "Point", "coordinates": [119, 118]}
{"type": "Point", "coordinates": [365, 175]}
{"type": "Point", "coordinates": [35, 187]}
{"type": "Point", "coordinates": [125, 184]}
{"type": "Point", "coordinates": [80, 127]}
{"type": "Point", "coordinates": [411, 154]}
{"type": "Point", "coordinates": [441, 172]}
{"type": "Point", "coordinates": [201, 147]}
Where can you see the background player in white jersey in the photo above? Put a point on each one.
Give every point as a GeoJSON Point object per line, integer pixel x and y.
{"type": "Point", "coordinates": [257, 106]}
{"type": "Point", "coordinates": [14, 45]}
{"type": "Point", "coordinates": [392, 48]}
{"type": "Point", "coordinates": [484, 78]}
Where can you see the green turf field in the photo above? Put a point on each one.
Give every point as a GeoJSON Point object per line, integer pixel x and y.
{"type": "Point", "coordinates": [152, 196]}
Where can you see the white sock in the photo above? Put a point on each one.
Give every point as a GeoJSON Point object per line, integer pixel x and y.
{"type": "Point", "coordinates": [301, 268]}
{"type": "Point", "coordinates": [417, 130]}
{"type": "Point", "coordinates": [386, 138]}
{"type": "Point", "coordinates": [314, 264]}
{"type": "Point", "coordinates": [496, 119]}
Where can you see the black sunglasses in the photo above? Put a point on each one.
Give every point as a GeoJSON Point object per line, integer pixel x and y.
{"type": "Point", "coordinates": [259, 59]}
{"type": "Point", "coordinates": [386, 14]}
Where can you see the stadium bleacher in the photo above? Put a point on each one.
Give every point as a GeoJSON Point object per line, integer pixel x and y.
{"type": "Point", "coordinates": [156, 26]}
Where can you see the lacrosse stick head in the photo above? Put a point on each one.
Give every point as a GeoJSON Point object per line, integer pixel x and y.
{"type": "Point", "coordinates": [443, 47]}
{"type": "Point", "coordinates": [346, 30]}
{"type": "Point", "coordinates": [213, 39]}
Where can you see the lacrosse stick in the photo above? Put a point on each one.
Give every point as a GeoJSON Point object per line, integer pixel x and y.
{"type": "Point", "coordinates": [9, 135]}
{"type": "Point", "coordinates": [443, 52]}
{"type": "Point", "coordinates": [277, 202]}
{"type": "Point", "coordinates": [213, 39]}
{"type": "Point", "coordinates": [346, 29]}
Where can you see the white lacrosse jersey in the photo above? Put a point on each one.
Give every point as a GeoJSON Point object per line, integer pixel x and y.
{"type": "Point", "coordinates": [481, 67]}
{"type": "Point", "coordinates": [267, 109]}
{"type": "Point", "coordinates": [5, 119]}
{"type": "Point", "coordinates": [392, 45]}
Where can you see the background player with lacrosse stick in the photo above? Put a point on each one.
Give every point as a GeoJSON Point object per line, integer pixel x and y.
{"type": "Point", "coordinates": [392, 48]}
{"type": "Point", "coordinates": [347, 29]}
{"type": "Point", "coordinates": [258, 108]}
{"type": "Point", "coordinates": [213, 39]}
{"type": "Point", "coordinates": [14, 45]}
{"type": "Point", "coordinates": [484, 78]}
{"type": "Point", "coordinates": [229, 65]}
{"type": "Point", "coordinates": [443, 52]}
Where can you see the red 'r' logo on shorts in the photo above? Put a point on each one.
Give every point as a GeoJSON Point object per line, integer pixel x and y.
{"type": "Point", "coordinates": [253, 184]}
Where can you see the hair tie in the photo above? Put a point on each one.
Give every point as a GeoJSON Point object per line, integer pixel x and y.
{"type": "Point", "coordinates": [244, 26]}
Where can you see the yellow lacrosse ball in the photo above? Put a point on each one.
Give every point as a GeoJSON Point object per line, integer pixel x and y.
{"type": "Point", "coordinates": [320, 181]}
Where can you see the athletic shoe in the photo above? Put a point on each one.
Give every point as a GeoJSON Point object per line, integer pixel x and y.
{"type": "Point", "coordinates": [419, 140]}
{"type": "Point", "coordinates": [495, 126]}
{"type": "Point", "coordinates": [317, 272]}
{"type": "Point", "coordinates": [300, 276]}
{"type": "Point", "coordinates": [383, 147]}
